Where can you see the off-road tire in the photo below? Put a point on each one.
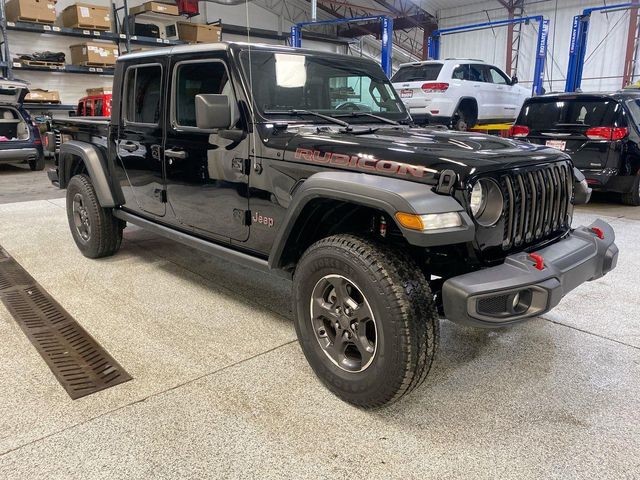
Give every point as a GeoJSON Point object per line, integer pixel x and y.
{"type": "Point", "coordinates": [37, 164]}
{"type": "Point", "coordinates": [633, 197]}
{"type": "Point", "coordinates": [105, 235]}
{"type": "Point", "coordinates": [405, 316]}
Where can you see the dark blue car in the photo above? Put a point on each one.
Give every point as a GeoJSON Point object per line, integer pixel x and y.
{"type": "Point", "coordinates": [20, 140]}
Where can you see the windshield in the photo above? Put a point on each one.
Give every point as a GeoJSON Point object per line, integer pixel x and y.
{"type": "Point", "coordinates": [283, 82]}
{"type": "Point", "coordinates": [417, 73]}
{"type": "Point", "coordinates": [577, 111]}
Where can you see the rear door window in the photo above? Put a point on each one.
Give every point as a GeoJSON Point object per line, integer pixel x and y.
{"type": "Point", "coordinates": [417, 73]}
{"type": "Point", "coordinates": [576, 112]}
{"type": "Point", "coordinates": [142, 95]}
{"type": "Point", "coordinates": [479, 73]}
{"type": "Point", "coordinates": [97, 108]}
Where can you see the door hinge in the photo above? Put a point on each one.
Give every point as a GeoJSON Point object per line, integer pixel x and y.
{"type": "Point", "coordinates": [243, 217]}
{"type": "Point", "coordinates": [241, 165]}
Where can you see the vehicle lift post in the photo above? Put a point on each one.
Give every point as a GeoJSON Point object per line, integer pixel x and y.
{"type": "Point", "coordinates": [386, 35]}
{"type": "Point", "coordinates": [433, 42]}
{"type": "Point", "coordinates": [578, 44]}
{"type": "Point", "coordinates": [5, 57]}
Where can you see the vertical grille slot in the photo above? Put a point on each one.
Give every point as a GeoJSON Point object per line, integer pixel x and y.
{"type": "Point", "coordinates": [537, 203]}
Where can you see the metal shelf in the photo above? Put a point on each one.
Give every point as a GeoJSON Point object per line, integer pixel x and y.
{"type": "Point", "coordinates": [64, 68]}
{"type": "Point", "coordinates": [87, 34]}
{"type": "Point", "coordinates": [41, 107]}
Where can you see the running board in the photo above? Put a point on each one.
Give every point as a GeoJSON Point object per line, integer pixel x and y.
{"type": "Point", "coordinates": [218, 250]}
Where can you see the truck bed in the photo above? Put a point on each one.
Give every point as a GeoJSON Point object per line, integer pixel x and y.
{"type": "Point", "coordinates": [77, 126]}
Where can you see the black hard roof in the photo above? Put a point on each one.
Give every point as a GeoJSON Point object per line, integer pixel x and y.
{"type": "Point", "coordinates": [617, 95]}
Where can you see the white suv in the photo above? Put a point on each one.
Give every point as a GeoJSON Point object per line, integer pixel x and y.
{"type": "Point", "coordinates": [459, 93]}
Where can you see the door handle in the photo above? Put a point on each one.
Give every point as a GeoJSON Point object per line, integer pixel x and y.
{"type": "Point", "coordinates": [177, 154]}
{"type": "Point", "coordinates": [130, 146]}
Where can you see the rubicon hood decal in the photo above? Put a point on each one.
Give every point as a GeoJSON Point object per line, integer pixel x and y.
{"type": "Point", "coordinates": [363, 163]}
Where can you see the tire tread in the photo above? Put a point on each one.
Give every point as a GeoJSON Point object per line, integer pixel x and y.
{"type": "Point", "coordinates": [406, 287]}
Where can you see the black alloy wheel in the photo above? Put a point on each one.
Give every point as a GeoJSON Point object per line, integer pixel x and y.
{"type": "Point", "coordinates": [343, 323]}
{"type": "Point", "coordinates": [81, 218]}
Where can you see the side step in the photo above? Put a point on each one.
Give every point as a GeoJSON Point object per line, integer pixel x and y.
{"type": "Point", "coordinates": [216, 249]}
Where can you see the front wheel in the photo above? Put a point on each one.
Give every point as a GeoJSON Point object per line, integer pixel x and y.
{"type": "Point", "coordinates": [365, 319]}
{"type": "Point", "coordinates": [95, 230]}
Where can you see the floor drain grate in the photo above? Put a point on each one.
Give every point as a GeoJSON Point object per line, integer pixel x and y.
{"type": "Point", "coordinates": [79, 363]}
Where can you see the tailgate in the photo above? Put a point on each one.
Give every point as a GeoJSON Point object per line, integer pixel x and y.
{"type": "Point", "coordinates": [586, 153]}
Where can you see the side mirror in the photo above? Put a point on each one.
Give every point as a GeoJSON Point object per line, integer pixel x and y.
{"type": "Point", "coordinates": [514, 80]}
{"type": "Point", "coordinates": [215, 112]}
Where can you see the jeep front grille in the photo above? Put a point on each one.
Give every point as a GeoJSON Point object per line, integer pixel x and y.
{"type": "Point", "coordinates": [537, 203]}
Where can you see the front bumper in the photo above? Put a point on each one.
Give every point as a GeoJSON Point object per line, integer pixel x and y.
{"type": "Point", "coordinates": [18, 155]}
{"type": "Point", "coordinates": [517, 290]}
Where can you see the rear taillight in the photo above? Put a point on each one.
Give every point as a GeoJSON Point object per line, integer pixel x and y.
{"type": "Point", "coordinates": [518, 131]}
{"type": "Point", "coordinates": [435, 87]}
{"type": "Point", "coordinates": [607, 133]}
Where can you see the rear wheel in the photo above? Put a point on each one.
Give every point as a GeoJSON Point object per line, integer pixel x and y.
{"type": "Point", "coordinates": [460, 121]}
{"type": "Point", "coordinates": [37, 164]}
{"type": "Point", "coordinates": [365, 319]}
{"type": "Point", "coordinates": [633, 197]}
{"type": "Point", "coordinates": [95, 230]}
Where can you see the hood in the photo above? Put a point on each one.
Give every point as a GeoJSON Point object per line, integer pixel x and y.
{"type": "Point", "coordinates": [12, 92]}
{"type": "Point", "coordinates": [416, 154]}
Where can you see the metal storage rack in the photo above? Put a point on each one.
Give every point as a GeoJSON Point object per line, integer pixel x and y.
{"type": "Point", "coordinates": [119, 36]}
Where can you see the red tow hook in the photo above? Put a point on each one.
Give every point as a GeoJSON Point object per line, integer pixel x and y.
{"type": "Point", "coordinates": [539, 261]}
{"type": "Point", "coordinates": [598, 231]}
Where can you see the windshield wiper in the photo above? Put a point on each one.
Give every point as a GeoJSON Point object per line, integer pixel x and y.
{"type": "Point", "coordinates": [310, 112]}
{"type": "Point", "coordinates": [367, 114]}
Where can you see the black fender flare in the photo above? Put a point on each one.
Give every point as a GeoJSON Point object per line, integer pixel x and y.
{"type": "Point", "coordinates": [389, 195]}
{"type": "Point", "coordinates": [95, 165]}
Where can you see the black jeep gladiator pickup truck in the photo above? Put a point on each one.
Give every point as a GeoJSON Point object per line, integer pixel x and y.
{"type": "Point", "coordinates": [307, 164]}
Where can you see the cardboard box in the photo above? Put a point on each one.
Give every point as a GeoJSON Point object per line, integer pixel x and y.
{"type": "Point", "coordinates": [198, 33]}
{"type": "Point", "coordinates": [42, 96]}
{"type": "Point", "coordinates": [155, 7]}
{"type": "Point", "coordinates": [93, 53]}
{"type": "Point", "coordinates": [84, 15]}
{"type": "Point", "coordinates": [41, 11]}
{"type": "Point", "coordinates": [98, 91]}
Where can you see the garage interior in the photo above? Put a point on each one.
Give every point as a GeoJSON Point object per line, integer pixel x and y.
{"type": "Point", "coordinates": [219, 386]}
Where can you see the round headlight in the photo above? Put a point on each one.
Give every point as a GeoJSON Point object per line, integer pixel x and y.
{"type": "Point", "coordinates": [477, 198]}
{"type": "Point", "coordinates": [486, 202]}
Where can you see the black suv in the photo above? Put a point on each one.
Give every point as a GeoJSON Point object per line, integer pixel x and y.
{"type": "Point", "coordinates": [306, 164]}
{"type": "Point", "coordinates": [598, 130]}
{"type": "Point", "coordinates": [20, 140]}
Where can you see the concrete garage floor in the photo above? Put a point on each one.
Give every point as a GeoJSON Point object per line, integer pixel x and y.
{"type": "Point", "coordinates": [221, 388]}
{"type": "Point", "coordinates": [19, 184]}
